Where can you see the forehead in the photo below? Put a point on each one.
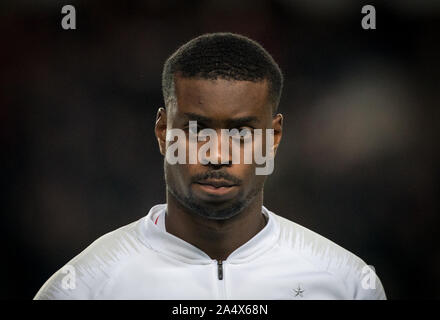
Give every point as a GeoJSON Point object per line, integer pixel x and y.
{"type": "Point", "coordinates": [222, 99]}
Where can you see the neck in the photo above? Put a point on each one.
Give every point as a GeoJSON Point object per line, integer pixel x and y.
{"type": "Point", "coordinates": [217, 238]}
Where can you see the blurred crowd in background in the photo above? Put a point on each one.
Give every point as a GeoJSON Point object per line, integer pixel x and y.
{"type": "Point", "coordinates": [358, 162]}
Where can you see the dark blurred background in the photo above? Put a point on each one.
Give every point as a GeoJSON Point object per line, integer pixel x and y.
{"type": "Point", "coordinates": [358, 160]}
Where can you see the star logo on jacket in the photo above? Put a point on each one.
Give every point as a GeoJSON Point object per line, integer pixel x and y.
{"type": "Point", "coordinates": [298, 292]}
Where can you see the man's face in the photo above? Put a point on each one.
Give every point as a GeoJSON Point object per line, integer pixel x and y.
{"type": "Point", "coordinates": [217, 191]}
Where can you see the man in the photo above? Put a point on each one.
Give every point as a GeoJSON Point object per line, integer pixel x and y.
{"type": "Point", "coordinates": [214, 239]}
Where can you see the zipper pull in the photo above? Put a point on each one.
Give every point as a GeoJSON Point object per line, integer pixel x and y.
{"type": "Point", "coordinates": [220, 269]}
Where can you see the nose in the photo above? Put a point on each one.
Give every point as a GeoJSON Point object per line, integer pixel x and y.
{"type": "Point", "coordinates": [214, 157]}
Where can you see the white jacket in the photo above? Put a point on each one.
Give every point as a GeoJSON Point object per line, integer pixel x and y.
{"type": "Point", "coordinates": [283, 261]}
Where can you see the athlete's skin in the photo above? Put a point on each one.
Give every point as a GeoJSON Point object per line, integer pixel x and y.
{"type": "Point", "coordinates": [220, 102]}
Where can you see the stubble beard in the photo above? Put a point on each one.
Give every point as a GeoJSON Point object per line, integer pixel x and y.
{"type": "Point", "coordinates": [210, 211]}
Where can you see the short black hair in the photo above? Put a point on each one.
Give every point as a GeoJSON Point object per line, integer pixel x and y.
{"type": "Point", "coordinates": [226, 56]}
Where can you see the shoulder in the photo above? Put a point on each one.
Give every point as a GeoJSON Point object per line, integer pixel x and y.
{"type": "Point", "coordinates": [86, 275]}
{"type": "Point", "coordinates": [323, 255]}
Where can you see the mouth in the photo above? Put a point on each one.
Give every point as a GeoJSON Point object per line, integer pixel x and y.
{"type": "Point", "coordinates": [216, 187]}
{"type": "Point", "coordinates": [217, 183]}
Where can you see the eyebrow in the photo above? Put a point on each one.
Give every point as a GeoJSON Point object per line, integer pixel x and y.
{"type": "Point", "coordinates": [197, 117]}
{"type": "Point", "coordinates": [235, 122]}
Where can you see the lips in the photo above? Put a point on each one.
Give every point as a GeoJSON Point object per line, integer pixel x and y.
{"type": "Point", "coordinates": [217, 183]}
{"type": "Point", "coordinates": [216, 190]}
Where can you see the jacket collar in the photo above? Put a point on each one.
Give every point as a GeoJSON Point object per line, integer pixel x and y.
{"type": "Point", "coordinates": [168, 244]}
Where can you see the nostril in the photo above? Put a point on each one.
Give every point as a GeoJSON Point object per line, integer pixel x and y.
{"type": "Point", "coordinates": [218, 165]}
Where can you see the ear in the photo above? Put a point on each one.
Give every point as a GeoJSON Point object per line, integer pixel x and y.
{"type": "Point", "coordinates": [160, 129]}
{"type": "Point", "coordinates": [277, 125]}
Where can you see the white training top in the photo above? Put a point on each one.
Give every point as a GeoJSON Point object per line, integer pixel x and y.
{"type": "Point", "coordinates": [143, 261]}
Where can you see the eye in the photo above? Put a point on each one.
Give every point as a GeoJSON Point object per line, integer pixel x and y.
{"type": "Point", "coordinates": [245, 132]}
{"type": "Point", "coordinates": [194, 129]}
{"type": "Point", "coordinates": [241, 132]}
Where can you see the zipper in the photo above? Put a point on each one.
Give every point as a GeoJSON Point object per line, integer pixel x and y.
{"type": "Point", "coordinates": [221, 281]}
{"type": "Point", "coordinates": [220, 269]}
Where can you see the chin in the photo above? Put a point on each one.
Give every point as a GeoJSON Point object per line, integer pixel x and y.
{"type": "Point", "coordinates": [213, 209]}
{"type": "Point", "coordinates": [217, 211]}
